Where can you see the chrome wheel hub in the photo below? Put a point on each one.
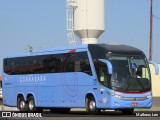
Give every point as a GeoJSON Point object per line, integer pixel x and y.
{"type": "Point", "coordinates": [92, 106]}
{"type": "Point", "coordinates": [22, 104]}
{"type": "Point", "coordinates": [31, 105]}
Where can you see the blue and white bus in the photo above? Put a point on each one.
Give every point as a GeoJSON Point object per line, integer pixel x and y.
{"type": "Point", "coordinates": [94, 76]}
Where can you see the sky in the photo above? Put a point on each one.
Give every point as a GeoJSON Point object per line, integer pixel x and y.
{"type": "Point", "coordinates": [42, 24]}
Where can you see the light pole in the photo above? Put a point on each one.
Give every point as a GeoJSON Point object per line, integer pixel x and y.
{"type": "Point", "coordinates": [150, 45]}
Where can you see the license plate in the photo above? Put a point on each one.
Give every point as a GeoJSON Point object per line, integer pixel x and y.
{"type": "Point", "coordinates": [134, 104]}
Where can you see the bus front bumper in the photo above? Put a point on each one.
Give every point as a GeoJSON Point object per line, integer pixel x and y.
{"type": "Point", "coordinates": [122, 101]}
{"type": "Point", "coordinates": [118, 103]}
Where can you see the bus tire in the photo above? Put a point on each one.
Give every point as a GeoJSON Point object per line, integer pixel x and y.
{"type": "Point", "coordinates": [127, 111]}
{"type": "Point", "coordinates": [91, 105]}
{"type": "Point", "coordinates": [22, 105]}
{"type": "Point", "coordinates": [31, 104]}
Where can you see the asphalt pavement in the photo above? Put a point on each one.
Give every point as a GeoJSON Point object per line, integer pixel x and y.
{"type": "Point", "coordinates": [82, 115]}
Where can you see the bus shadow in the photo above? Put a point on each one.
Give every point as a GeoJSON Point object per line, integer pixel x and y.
{"type": "Point", "coordinates": [86, 114]}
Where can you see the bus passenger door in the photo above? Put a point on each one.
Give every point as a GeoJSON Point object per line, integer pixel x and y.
{"type": "Point", "coordinates": [103, 70]}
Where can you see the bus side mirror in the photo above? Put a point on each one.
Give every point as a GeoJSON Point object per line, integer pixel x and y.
{"type": "Point", "coordinates": [155, 67]}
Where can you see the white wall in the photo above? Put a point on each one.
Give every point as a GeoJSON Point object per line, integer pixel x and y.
{"type": "Point", "coordinates": [155, 82]}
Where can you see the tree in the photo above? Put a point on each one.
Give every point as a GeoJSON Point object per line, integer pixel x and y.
{"type": "Point", "coordinates": [29, 48]}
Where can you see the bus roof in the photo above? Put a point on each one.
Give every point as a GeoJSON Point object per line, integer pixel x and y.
{"type": "Point", "coordinates": [100, 50]}
{"type": "Point", "coordinates": [116, 49]}
{"type": "Point", "coordinates": [93, 48]}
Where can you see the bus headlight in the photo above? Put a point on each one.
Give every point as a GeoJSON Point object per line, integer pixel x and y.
{"type": "Point", "coordinates": [111, 94]}
{"type": "Point", "coordinates": [149, 96]}
{"type": "Point", "coordinates": [114, 95]}
{"type": "Point", "coordinates": [117, 96]}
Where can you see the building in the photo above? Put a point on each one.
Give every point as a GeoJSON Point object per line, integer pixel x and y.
{"type": "Point", "coordinates": [155, 82]}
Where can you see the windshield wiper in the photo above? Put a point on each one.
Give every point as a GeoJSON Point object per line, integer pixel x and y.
{"type": "Point", "coordinates": [140, 84]}
{"type": "Point", "coordinates": [130, 81]}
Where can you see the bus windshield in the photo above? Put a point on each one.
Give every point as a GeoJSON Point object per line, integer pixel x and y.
{"type": "Point", "coordinates": [130, 74]}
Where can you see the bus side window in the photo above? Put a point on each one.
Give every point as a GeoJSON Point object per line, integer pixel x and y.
{"type": "Point", "coordinates": [0, 84]}
{"type": "Point", "coordinates": [52, 63]}
{"type": "Point", "coordinates": [102, 72]}
{"type": "Point", "coordinates": [5, 66]}
{"type": "Point", "coordinates": [142, 72]}
{"type": "Point", "coordinates": [68, 62]}
{"type": "Point", "coordinates": [78, 66]}
{"type": "Point", "coordinates": [76, 62]}
{"type": "Point", "coordinates": [145, 73]}
{"type": "Point", "coordinates": [83, 59]}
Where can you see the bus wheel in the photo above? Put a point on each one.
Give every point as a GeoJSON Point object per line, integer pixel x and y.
{"type": "Point", "coordinates": [91, 105]}
{"type": "Point", "coordinates": [22, 105]}
{"type": "Point", "coordinates": [127, 111]}
{"type": "Point", "coordinates": [31, 104]}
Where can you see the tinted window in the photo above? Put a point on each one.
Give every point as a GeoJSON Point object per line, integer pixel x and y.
{"type": "Point", "coordinates": [56, 63]}
{"type": "Point", "coordinates": [77, 62]}
{"type": "Point", "coordinates": [82, 63]}
{"type": "Point", "coordinates": [0, 84]}
{"type": "Point", "coordinates": [102, 72]}
{"type": "Point", "coordinates": [69, 62]}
